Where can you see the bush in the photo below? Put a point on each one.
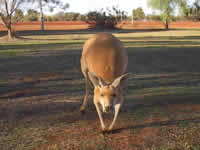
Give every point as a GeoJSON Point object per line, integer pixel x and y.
{"type": "Point", "coordinates": [81, 18]}
{"type": "Point", "coordinates": [153, 17]}
{"type": "Point", "coordinates": [138, 14]}
{"type": "Point", "coordinates": [71, 16]}
{"type": "Point", "coordinates": [18, 16]}
{"type": "Point", "coordinates": [32, 15]}
{"type": "Point", "coordinates": [101, 19]}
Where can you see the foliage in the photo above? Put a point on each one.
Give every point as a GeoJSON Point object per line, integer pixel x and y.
{"type": "Point", "coordinates": [153, 17]}
{"type": "Point", "coordinates": [192, 12]}
{"type": "Point", "coordinates": [7, 10]}
{"type": "Point", "coordinates": [97, 17]}
{"type": "Point", "coordinates": [58, 16]}
{"type": "Point", "coordinates": [166, 7]}
{"type": "Point", "coordinates": [71, 16]}
{"type": "Point", "coordinates": [101, 19]}
{"type": "Point", "coordinates": [118, 14]}
{"type": "Point", "coordinates": [51, 5]}
{"type": "Point", "coordinates": [32, 15]}
{"type": "Point", "coordinates": [138, 14]}
{"type": "Point", "coordinates": [81, 17]}
{"type": "Point", "coordinates": [196, 9]}
{"type": "Point", "coordinates": [184, 8]}
{"type": "Point", "coordinates": [18, 16]}
{"type": "Point", "coordinates": [166, 18]}
{"type": "Point", "coordinates": [106, 19]}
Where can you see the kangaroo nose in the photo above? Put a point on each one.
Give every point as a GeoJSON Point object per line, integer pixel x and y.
{"type": "Point", "coordinates": [108, 108]}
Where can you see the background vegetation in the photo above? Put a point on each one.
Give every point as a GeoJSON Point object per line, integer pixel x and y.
{"type": "Point", "coordinates": [102, 19]}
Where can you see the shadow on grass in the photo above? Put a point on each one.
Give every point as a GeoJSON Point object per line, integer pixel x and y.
{"type": "Point", "coordinates": [157, 124]}
{"type": "Point", "coordinates": [77, 44]}
{"type": "Point", "coordinates": [37, 47]}
{"type": "Point", "coordinates": [161, 102]}
{"type": "Point", "coordinates": [40, 88]}
{"type": "Point", "coordinates": [80, 31]}
{"type": "Point", "coordinates": [163, 60]}
{"type": "Point", "coordinates": [159, 43]}
{"type": "Point", "coordinates": [67, 63]}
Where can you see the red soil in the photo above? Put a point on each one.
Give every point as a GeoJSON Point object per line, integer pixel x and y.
{"type": "Point", "coordinates": [73, 25]}
{"type": "Point", "coordinates": [158, 25]}
{"type": "Point", "coordinates": [58, 25]}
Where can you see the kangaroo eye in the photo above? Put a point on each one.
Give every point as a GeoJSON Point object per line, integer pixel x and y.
{"type": "Point", "coordinates": [114, 95]}
{"type": "Point", "coordinates": [102, 95]}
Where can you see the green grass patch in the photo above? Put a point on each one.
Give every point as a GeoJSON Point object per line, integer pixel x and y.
{"type": "Point", "coordinates": [176, 39]}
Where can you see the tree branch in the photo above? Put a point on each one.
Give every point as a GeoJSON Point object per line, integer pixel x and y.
{"type": "Point", "coordinates": [15, 6]}
{"type": "Point", "coordinates": [12, 6]}
{"type": "Point", "coordinates": [6, 6]}
{"type": "Point", "coordinates": [4, 20]}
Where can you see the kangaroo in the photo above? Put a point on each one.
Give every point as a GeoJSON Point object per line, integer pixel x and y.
{"type": "Point", "coordinates": [104, 62]}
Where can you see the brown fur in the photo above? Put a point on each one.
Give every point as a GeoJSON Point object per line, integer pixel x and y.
{"type": "Point", "coordinates": [103, 62]}
{"type": "Point", "coordinates": [105, 55]}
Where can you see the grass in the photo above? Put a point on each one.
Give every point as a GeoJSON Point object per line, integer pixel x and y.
{"type": "Point", "coordinates": [144, 39]}
{"type": "Point", "coordinates": [41, 89]}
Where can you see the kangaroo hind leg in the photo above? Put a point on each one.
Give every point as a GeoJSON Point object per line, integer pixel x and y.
{"type": "Point", "coordinates": [87, 91]}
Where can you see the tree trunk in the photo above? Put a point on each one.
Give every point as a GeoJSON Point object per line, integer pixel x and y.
{"type": "Point", "coordinates": [166, 25]}
{"type": "Point", "coordinates": [132, 19]}
{"type": "Point", "coordinates": [10, 34]}
{"type": "Point", "coordinates": [8, 23]}
{"type": "Point", "coordinates": [9, 26]}
{"type": "Point", "coordinates": [41, 16]}
{"type": "Point", "coordinates": [42, 22]}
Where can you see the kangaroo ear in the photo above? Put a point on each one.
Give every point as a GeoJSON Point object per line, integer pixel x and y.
{"type": "Point", "coordinates": [119, 80]}
{"type": "Point", "coordinates": [96, 80]}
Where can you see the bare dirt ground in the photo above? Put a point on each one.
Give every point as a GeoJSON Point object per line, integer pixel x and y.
{"type": "Point", "coordinates": [78, 25]}
{"type": "Point", "coordinates": [56, 25]}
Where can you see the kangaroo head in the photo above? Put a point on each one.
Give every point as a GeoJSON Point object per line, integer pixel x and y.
{"type": "Point", "coordinates": [106, 93]}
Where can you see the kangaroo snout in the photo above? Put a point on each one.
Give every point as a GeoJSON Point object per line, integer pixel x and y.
{"type": "Point", "coordinates": [108, 108]}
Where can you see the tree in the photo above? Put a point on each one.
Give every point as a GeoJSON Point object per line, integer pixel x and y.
{"type": "Point", "coordinates": [191, 11]}
{"type": "Point", "coordinates": [18, 16]}
{"type": "Point", "coordinates": [153, 17]}
{"type": "Point", "coordinates": [32, 15]}
{"type": "Point", "coordinates": [97, 17]}
{"type": "Point", "coordinates": [51, 5]}
{"type": "Point", "coordinates": [138, 14]}
{"type": "Point", "coordinates": [71, 16]}
{"type": "Point", "coordinates": [81, 17]}
{"type": "Point", "coordinates": [197, 9]}
{"type": "Point", "coordinates": [166, 7]}
{"type": "Point", "coordinates": [184, 9]}
{"type": "Point", "coordinates": [101, 19]}
{"type": "Point", "coordinates": [60, 16]}
{"type": "Point", "coordinates": [7, 9]}
{"type": "Point", "coordinates": [118, 14]}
